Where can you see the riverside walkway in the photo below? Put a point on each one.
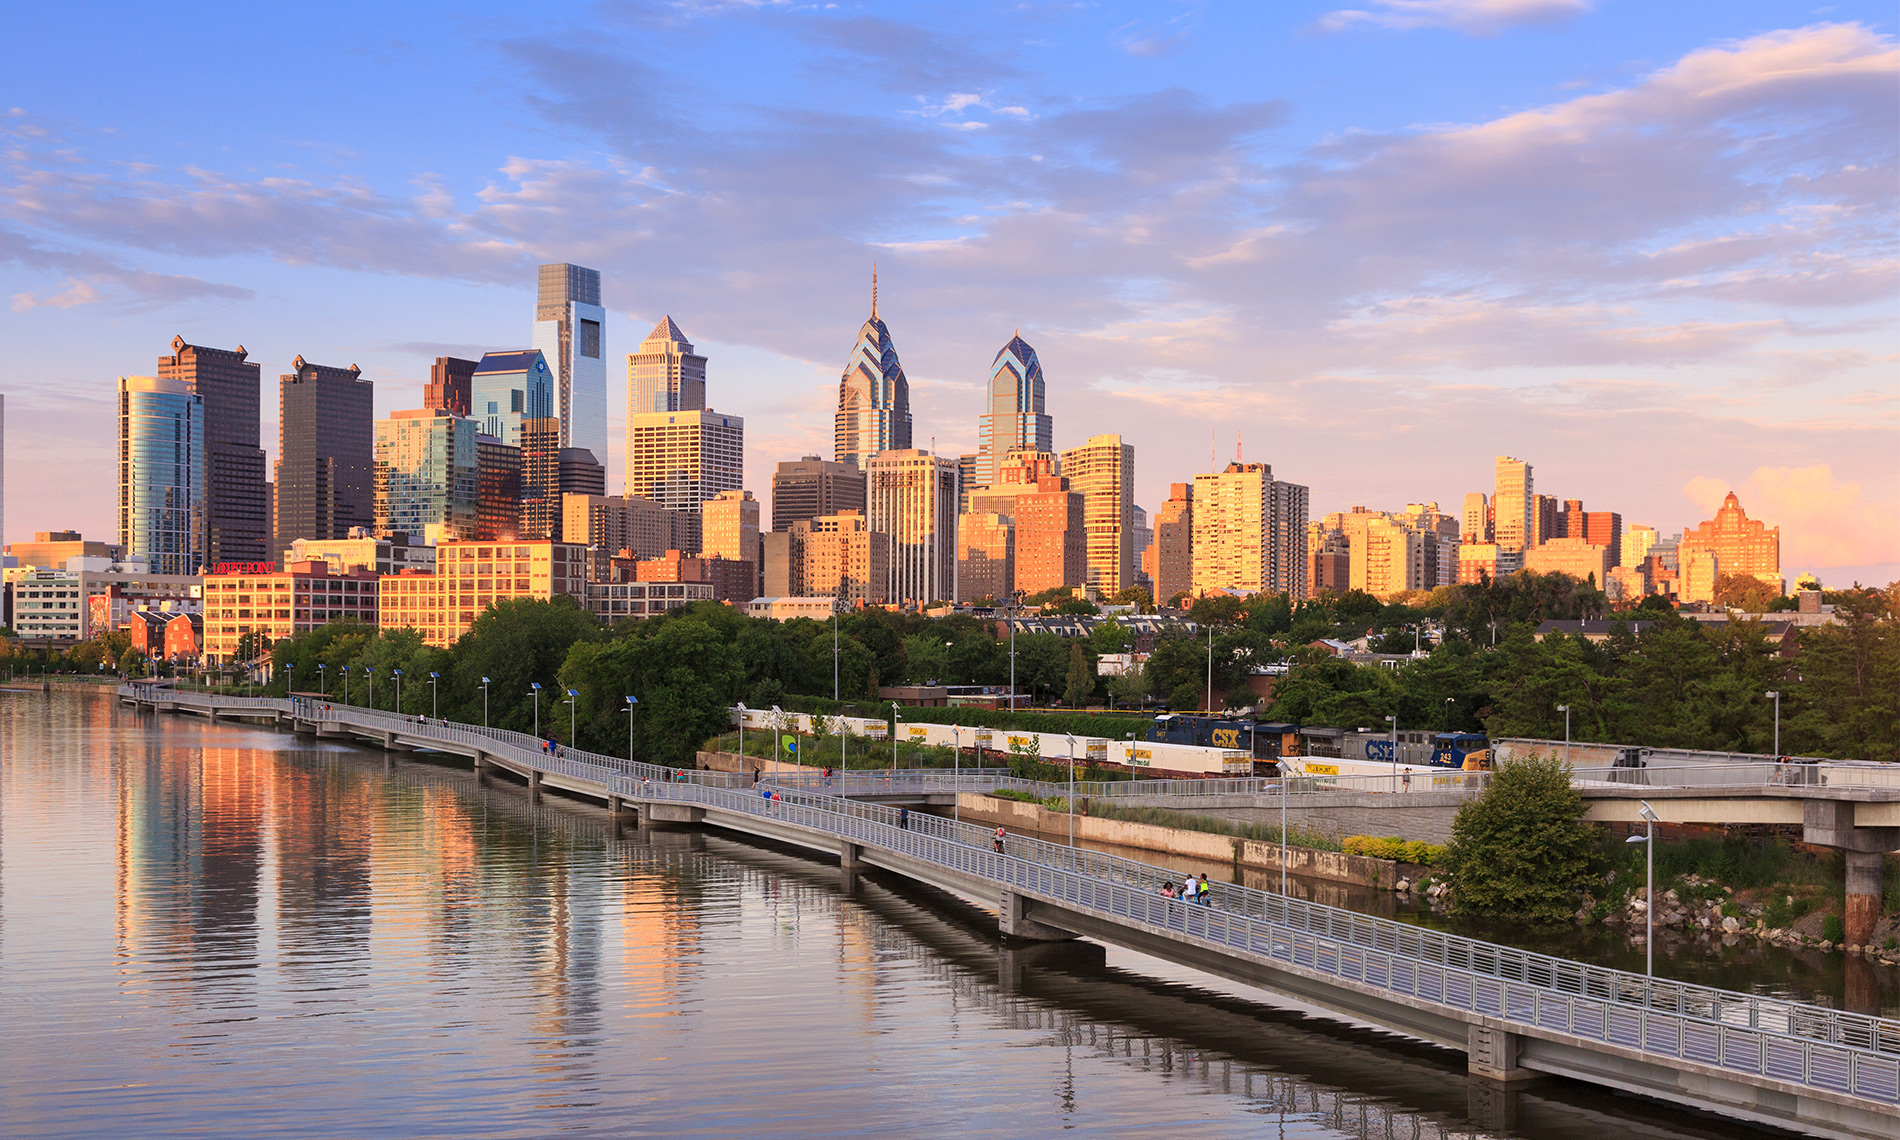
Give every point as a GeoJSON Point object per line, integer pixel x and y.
{"type": "Point", "coordinates": [1516, 1014]}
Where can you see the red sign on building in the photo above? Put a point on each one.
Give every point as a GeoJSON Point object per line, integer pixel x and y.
{"type": "Point", "coordinates": [244, 568]}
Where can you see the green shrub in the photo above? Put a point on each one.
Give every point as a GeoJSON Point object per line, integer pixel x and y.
{"type": "Point", "coordinates": [1162, 817]}
{"type": "Point", "coordinates": [1392, 847]}
{"type": "Point", "coordinates": [1833, 929]}
{"type": "Point", "coordinates": [1521, 849]}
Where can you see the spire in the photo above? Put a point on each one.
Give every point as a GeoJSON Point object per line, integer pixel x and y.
{"type": "Point", "coordinates": [874, 290]}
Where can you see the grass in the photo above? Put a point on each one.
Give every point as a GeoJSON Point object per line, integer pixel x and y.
{"type": "Point", "coordinates": [1162, 817]}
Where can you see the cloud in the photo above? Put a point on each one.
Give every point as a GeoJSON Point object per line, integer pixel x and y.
{"type": "Point", "coordinates": [1472, 17]}
{"type": "Point", "coordinates": [1824, 522]}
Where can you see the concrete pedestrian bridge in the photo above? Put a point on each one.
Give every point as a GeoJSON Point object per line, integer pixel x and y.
{"type": "Point", "coordinates": [1516, 1014]}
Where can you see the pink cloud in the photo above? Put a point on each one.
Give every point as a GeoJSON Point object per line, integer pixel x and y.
{"type": "Point", "coordinates": [1824, 522]}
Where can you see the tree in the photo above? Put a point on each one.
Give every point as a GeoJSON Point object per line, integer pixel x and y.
{"type": "Point", "coordinates": [1080, 686]}
{"type": "Point", "coordinates": [1521, 850]}
{"type": "Point", "coordinates": [1744, 592]}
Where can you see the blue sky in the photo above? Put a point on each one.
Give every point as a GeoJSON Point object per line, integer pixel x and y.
{"type": "Point", "coordinates": [1649, 247]}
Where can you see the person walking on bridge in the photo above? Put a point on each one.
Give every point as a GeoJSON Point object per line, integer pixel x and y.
{"type": "Point", "coordinates": [998, 841]}
{"type": "Point", "coordinates": [903, 818]}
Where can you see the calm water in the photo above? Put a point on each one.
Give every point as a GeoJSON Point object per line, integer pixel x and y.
{"type": "Point", "coordinates": [217, 930]}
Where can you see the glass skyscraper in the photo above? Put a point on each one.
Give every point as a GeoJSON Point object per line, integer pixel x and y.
{"type": "Point", "coordinates": [1015, 418]}
{"type": "Point", "coordinates": [161, 474]}
{"type": "Point", "coordinates": [873, 396]}
{"type": "Point", "coordinates": [665, 375]}
{"type": "Point", "coordinates": [569, 330]}
{"type": "Point", "coordinates": [427, 476]}
{"type": "Point", "coordinates": [509, 388]}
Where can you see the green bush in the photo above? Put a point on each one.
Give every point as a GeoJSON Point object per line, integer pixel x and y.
{"type": "Point", "coordinates": [1833, 929]}
{"type": "Point", "coordinates": [1392, 847]}
{"type": "Point", "coordinates": [1213, 825]}
{"type": "Point", "coordinates": [1521, 849]}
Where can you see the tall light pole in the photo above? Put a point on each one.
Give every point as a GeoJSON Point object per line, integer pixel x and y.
{"type": "Point", "coordinates": [535, 689]}
{"type": "Point", "coordinates": [1210, 668]}
{"type": "Point", "coordinates": [398, 673]}
{"type": "Point", "coordinates": [633, 702]}
{"type": "Point", "coordinates": [956, 779]}
{"type": "Point", "coordinates": [741, 732]}
{"type": "Point", "coordinates": [897, 719]}
{"type": "Point", "coordinates": [1392, 730]}
{"type": "Point", "coordinates": [370, 672]}
{"type": "Point", "coordinates": [1072, 789]}
{"type": "Point", "coordinates": [484, 702]}
{"type": "Point", "coordinates": [1015, 600]}
{"type": "Point", "coordinates": [834, 648]}
{"type": "Point", "coordinates": [435, 709]}
{"type": "Point", "coordinates": [1283, 792]}
{"type": "Point", "coordinates": [346, 684]}
{"type": "Point", "coordinates": [1565, 709]}
{"type": "Point", "coordinates": [572, 702]}
{"type": "Point", "coordinates": [1649, 910]}
{"type": "Point", "coordinates": [1448, 701]}
{"type": "Point", "coordinates": [1776, 697]}
{"type": "Point", "coordinates": [323, 678]}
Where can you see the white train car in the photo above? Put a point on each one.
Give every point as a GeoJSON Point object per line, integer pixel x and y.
{"type": "Point", "coordinates": [1321, 767]}
{"type": "Point", "coordinates": [1147, 759]}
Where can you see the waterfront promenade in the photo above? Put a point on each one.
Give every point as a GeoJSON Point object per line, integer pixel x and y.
{"type": "Point", "coordinates": [1516, 1014]}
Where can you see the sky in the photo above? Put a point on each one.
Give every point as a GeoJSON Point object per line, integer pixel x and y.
{"type": "Point", "coordinates": [1650, 248]}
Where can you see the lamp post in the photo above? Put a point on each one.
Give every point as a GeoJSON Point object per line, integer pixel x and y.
{"type": "Point", "coordinates": [484, 702]}
{"type": "Point", "coordinates": [1776, 697]}
{"type": "Point", "coordinates": [633, 702]}
{"type": "Point", "coordinates": [1015, 600]}
{"type": "Point", "coordinates": [1393, 738]}
{"type": "Point", "coordinates": [741, 732]}
{"type": "Point", "coordinates": [435, 710]}
{"type": "Point", "coordinates": [897, 717]}
{"type": "Point", "coordinates": [370, 672]}
{"type": "Point", "coordinates": [1072, 789]}
{"type": "Point", "coordinates": [535, 690]}
{"type": "Point", "coordinates": [956, 779]}
{"type": "Point", "coordinates": [398, 673]}
{"type": "Point", "coordinates": [1210, 668]}
{"type": "Point", "coordinates": [1283, 792]}
{"type": "Point", "coordinates": [346, 684]}
{"type": "Point", "coordinates": [1649, 909]}
{"type": "Point", "coordinates": [1565, 709]}
{"type": "Point", "coordinates": [1448, 701]}
{"type": "Point", "coordinates": [323, 678]}
{"type": "Point", "coordinates": [572, 702]}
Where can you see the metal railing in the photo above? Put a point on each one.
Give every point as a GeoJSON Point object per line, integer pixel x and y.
{"type": "Point", "coordinates": [1812, 1046]}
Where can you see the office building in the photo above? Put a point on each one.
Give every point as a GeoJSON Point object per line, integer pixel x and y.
{"type": "Point", "coordinates": [388, 554]}
{"type": "Point", "coordinates": [1576, 557]}
{"type": "Point", "coordinates": [681, 459]}
{"type": "Point", "coordinates": [665, 375]}
{"type": "Point", "coordinates": [326, 453]}
{"type": "Point", "coordinates": [1143, 541]}
{"type": "Point", "coordinates": [782, 570]}
{"type": "Point", "coordinates": [1174, 544]}
{"type": "Point", "coordinates": [1477, 518]}
{"type": "Point", "coordinates": [427, 480]}
{"type": "Point", "coordinates": [50, 549]}
{"type": "Point", "coordinates": [569, 331]}
{"type": "Point", "coordinates": [912, 497]}
{"type": "Point", "coordinates": [1701, 570]}
{"type": "Point", "coordinates": [450, 385]}
{"type": "Point", "coordinates": [1544, 519]}
{"type": "Point", "coordinates": [472, 576]}
{"type": "Point", "coordinates": [1513, 506]}
{"type": "Point", "coordinates": [161, 474]}
{"type": "Point", "coordinates": [1102, 471]}
{"type": "Point", "coordinates": [986, 569]}
{"type": "Point", "coordinates": [237, 507]}
{"type": "Point", "coordinates": [617, 524]}
{"type": "Point", "coordinates": [1048, 518]}
{"type": "Point", "coordinates": [1599, 528]}
{"type": "Point", "coordinates": [873, 397]}
{"type": "Point", "coordinates": [1741, 545]}
{"type": "Point", "coordinates": [1287, 563]}
{"type": "Point", "coordinates": [729, 529]}
{"type": "Point", "coordinates": [1238, 543]}
{"type": "Point", "coordinates": [1389, 559]}
{"type": "Point", "coordinates": [540, 516]}
{"type": "Point", "coordinates": [730, 581]}
{"type": "Point", "coordinates": [1014, 418]}
{"type": "Point", "coordinates": [787, 608]}
{"type": "Point", "coordinates": [510, 389]}
{"type": "Point", "coordinates": [497, 489]}
{"type": "Point", "coordinates": [93, 596]}
{"type": "Point", "coordinates": [840, 556]}
{"type": "Point", "coordinates": [278, 605]}
{"type": "Point", "coordinates": [617, 601]}
{"type": "Point", "coordinates": [1637, 541]}
{"type": "Point", "coordinates": [966, 480]}
{"type": "Point", "coordinates": [1329, 560]}
{"type": "Point", "coordinates": [1479, 561]}
{"type": "Point", "coordinates": [809, 487]}
{"type": "Point", "coordinates": [1439, 550]}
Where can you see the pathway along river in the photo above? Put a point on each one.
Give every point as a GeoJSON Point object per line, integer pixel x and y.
{"type": "Point", "coordinates": [222, 930]}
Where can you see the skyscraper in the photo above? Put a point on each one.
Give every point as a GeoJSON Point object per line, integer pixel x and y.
{"type": "Point", "coordinates": [1174, 544]}
{"type": "Point", "coordinates": [326, 453]}
{"type": "Point", "coordinates": [912, 497]}
{"type": "Point", "coordinates": [681, 459]}
{"type": "Point", "coordinates": [1014, 418]}
{"type": "Point", "coordinates": [729, 527]}
{"type": "Point", "coordinates": [1288, 567]}
{"type": "Point", "coordinates": [1477, 523]}
{"type": "Point", "coordinates": [569, 329]}
{"type": "Point", "coordinates": [1740, 545]}
{"type": "Point", "coordinates": [1513, 506]}
{"type": "Point", "coordinates": [508, 388]}
{"type": "Point", "coordinates": [498, 489]}
{"type": "Point", "coordinates": [1233, 527]}
{"type": "Point", "coordinates": [237, 509]}
{"type": "Point", "coordinates": [1102, 471]}
{"type": "Point", "coordinates": [448, 387]}
{"type": "Point", "coordinates": [161, 474]}
{"type": "Point", "coordinates": [665, 375]}
{"type": "Point", "coordinates": [809, 487]}
{"type": "Point", "coordinates": [873, 396]}
{"type": "Point", "coordinates": [427, 476]}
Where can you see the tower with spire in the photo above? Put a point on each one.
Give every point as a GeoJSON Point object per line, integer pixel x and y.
{"type": "Point", "coordinates": [1013, 418]}
{"type": "Point", "coordinates": [873, 396]}
{"type": "Point", "coordinates": [665, 375]}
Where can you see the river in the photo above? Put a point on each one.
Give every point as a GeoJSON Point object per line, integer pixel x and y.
{"type": "Point", "coordinates": [223, 930]}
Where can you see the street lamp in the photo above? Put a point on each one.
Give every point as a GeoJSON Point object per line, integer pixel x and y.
{"type": "Point", "coordinates": [484, 702]}
{"type": "Point", "coordinates": [741, 732]}
{"type": "Point", "coordinates": [897, 718]}
{"type": "Point", "coordinates": [346, 684]}
{"type": "Point", "coordinates": [1210, 667]}
{"type": "Point", "coordinates": [633, 701]}
{"type": "Point", "coordinates": [1393, 737]}
{"type": "Point", "coordinates": [573, 696]}
{"type": "Point", "coordinates": [1776, 697]}
{"type": "Point", "coordinates": [1649, 910]}
{"type": "Point", "coordinates": [834, 649]}
{"type": "Point", "coordinates": [1448, 701]}
{"type": "Point", "coordinates": [435, 710]}
{"type": "Point", "coordinates": [1015, 598]}
{"type": "Point", "coordinates": [536, 691]}
{"type": "Point", "coordinates": [1071, 789]}
{"type": "Point", "coordinates": [956, 780]}
{"type": "Point", "coordinates": [1565, 709]}
{"type": "Point", "coordinates": [323, 678]}
{"type": "Point", "coordinates": [398, 673]}
{"type": "Point", "coordinates": [370, 672]}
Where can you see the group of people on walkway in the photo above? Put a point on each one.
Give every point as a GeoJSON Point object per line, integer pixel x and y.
{"type": "Point", "coordinates": [1195, 890]}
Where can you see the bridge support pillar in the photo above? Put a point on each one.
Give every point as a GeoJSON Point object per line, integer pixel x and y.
{"type": "Point", "coordinates": [1492, 1055]}
{"type": "Point", "coordinates": [1863, 895]}
{"type": "Point", "coordinates": [621, 811]}
{"type": "Point", "coordinates": [1013, 919]}
{"type": "Point", "coordinates": [534, 784]}
{"type": "Point", "coordinates": [674, 813]}
{"type": "Point", "coordinates": [850, 856]}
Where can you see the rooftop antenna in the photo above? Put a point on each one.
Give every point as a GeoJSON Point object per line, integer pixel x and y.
{"type": "Point", "coordinates": [873, 290]}
{"type": "Point", "coordinates": [1236, 447]}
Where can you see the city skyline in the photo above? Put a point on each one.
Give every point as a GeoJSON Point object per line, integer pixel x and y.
{"type": "Point", "coordinates": [1700, 327]}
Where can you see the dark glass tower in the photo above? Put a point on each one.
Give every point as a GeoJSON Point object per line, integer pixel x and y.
{"type": "Point", "coordinates": [326, 453]}
{"type": "Point", "coordinates": [237, 508]}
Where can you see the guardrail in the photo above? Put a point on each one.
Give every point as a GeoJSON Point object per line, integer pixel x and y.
{"type": "Point", "coordinates": [1807, 1045]}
